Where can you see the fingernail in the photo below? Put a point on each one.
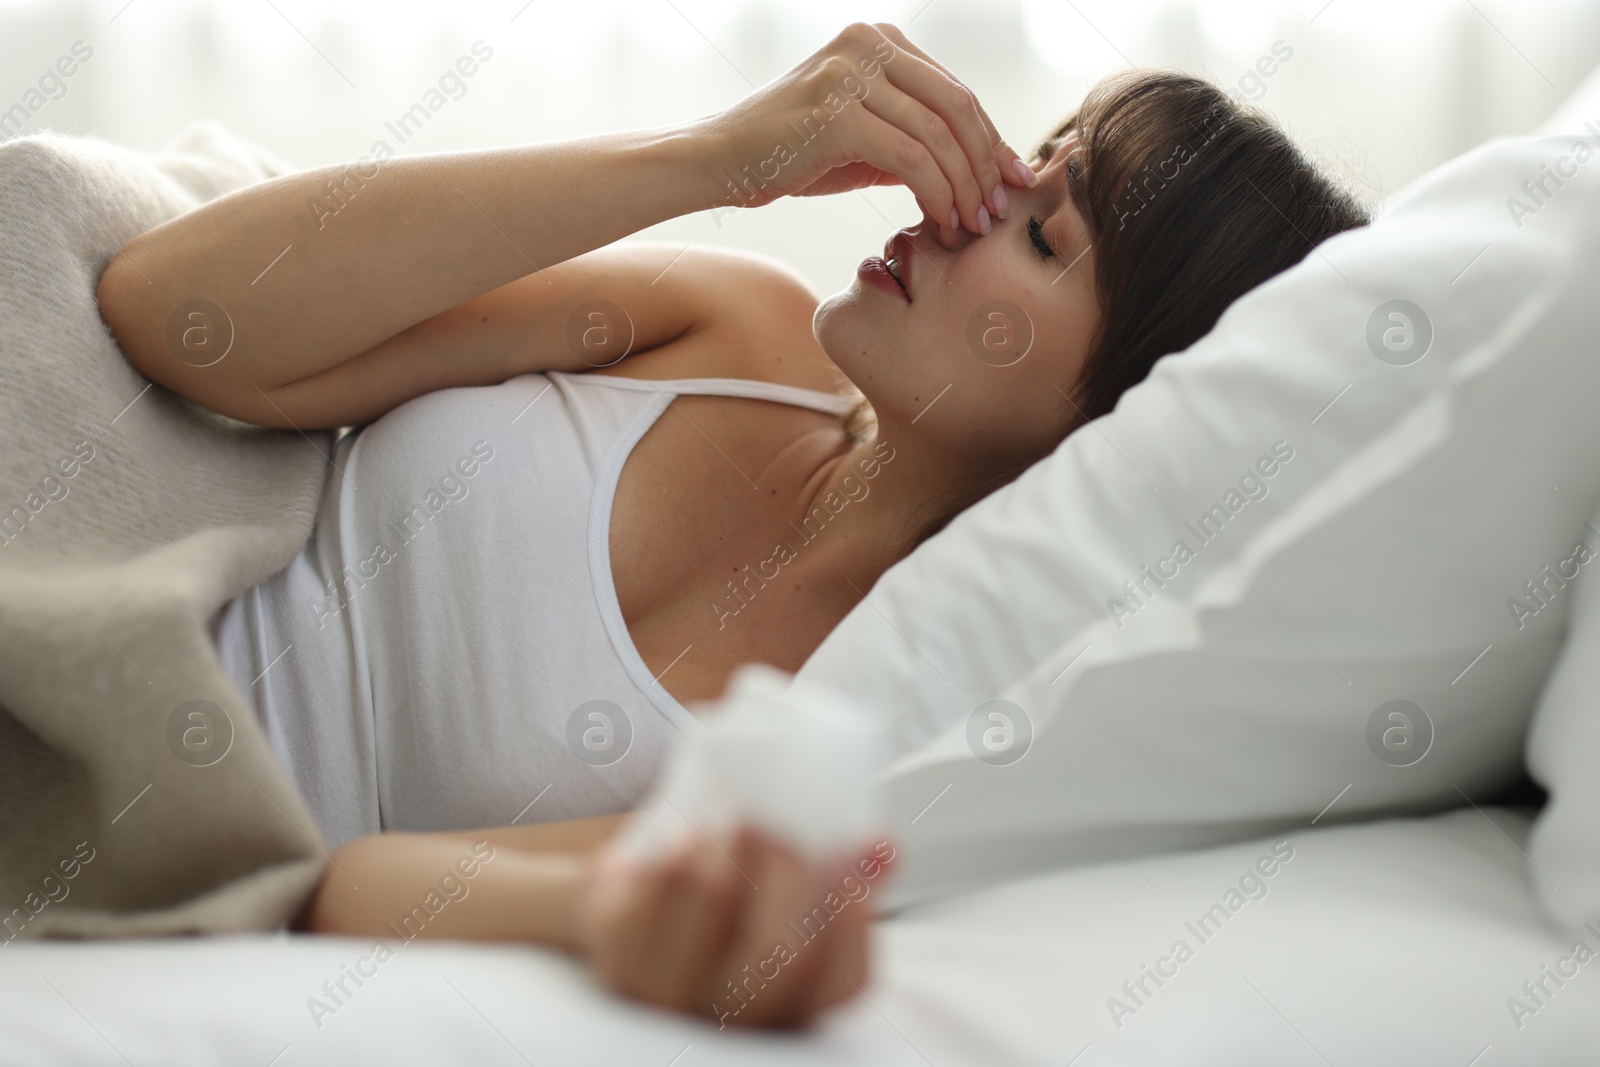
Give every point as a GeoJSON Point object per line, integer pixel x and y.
{"type": "Point", "coordinates": [984, 225]}
{"type": "Point", "coordinates": [1002, 203]}
{"type": "Point", "coordinates": [1025, 172]}
{"type": "Point", "coordinates": [955, 219]}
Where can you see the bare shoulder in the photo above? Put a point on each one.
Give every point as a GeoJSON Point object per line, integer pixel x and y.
{"type": "Point", "coordinates": [762, 330]}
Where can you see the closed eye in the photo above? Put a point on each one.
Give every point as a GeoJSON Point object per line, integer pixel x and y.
{"type": "Point", "coordinates": [1036, 234]}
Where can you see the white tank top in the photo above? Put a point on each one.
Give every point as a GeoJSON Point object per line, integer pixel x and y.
{"type": "Point", "coordinates": [447, 651]}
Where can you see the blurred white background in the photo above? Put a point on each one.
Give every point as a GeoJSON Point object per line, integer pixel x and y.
{"type": "Point", "coordinates": [1379, 89]}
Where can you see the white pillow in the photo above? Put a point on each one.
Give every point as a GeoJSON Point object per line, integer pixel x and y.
{"type": "Point", "coordinates": [1404, 495]}
{"type": "Point", "coordinates": [1563, 753]}
{"type": "Point", "coordinates": [1564, 738]}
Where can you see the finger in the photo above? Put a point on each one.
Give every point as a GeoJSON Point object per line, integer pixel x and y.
{"type": "Point", "coordinates": [906, 112]}
{"type": "Point", "coordinates": [700, 923]}
{"type": "Point", "coordinates": [949, 237]}
{"type": "Point", "coordinates": [964, 119]}
{"type": "Point", "coordinates": [884, 145]}
{"type": "Point", "coordinates": [898, 38]}
{"type": "Point", "coordinates": [772, 963]}
{"type": "Point", "coordinates": [674, 903]}
{"type": "Point", "coordinates": [847, 950]}
{"type": "Point", "coordinates": [1006, 158]}
{"type": "Point", "coordinates": [849, 962]}
{"type": "Point", "coordinates": [625, 908]}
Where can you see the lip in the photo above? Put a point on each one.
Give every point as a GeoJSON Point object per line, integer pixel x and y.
{"type": "Point", "coordinates": [900, 247]}
{"type": "Point", "coordinates": [875, 272]}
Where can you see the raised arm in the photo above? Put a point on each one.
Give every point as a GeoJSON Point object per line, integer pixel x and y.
{"type": "Point", "coordinates": [587, 312]}
{"type": "Point", "coordinates": [296, 292]}
{"type": "Point", "coordinates": [263, 287]}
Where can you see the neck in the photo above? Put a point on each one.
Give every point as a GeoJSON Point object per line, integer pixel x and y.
{"type": "Point", "coordinates": [852, 518]}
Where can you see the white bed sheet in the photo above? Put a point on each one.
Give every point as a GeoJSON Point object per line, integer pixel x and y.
{"type": "Point", "coordinates": [1396, 942]}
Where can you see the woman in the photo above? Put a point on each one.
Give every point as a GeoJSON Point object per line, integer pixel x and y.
{"type": "Point", "coordinates": [510, 597]}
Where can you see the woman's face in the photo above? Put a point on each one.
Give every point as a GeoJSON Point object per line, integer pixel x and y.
{"type": "Point", "coordinates": [975, 357]}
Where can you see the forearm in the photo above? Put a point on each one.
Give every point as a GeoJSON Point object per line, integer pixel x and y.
{"type": "Point", "coordinates": [306, 288]}
{"type": "Point", "coordinates": [401, 886]}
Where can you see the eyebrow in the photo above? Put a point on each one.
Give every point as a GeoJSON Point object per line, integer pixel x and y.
{"type": "Point", "coordinates": [1048, 146]}
{"type": "Point", "coordinates": [1074, 175]}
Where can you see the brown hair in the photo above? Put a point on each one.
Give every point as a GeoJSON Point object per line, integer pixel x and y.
{"type": "Point", "coordinates": [1193, 198]}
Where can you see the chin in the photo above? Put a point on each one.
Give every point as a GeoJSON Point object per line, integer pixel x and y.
{"type": "Point", "coordinates": [840, 328]}
{"type": "Point", "coordinates": [845, 300]}
{"type": "Point", "coordinates": [861, 344]}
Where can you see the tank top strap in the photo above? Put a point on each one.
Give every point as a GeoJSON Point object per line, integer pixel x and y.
{"type": "Point", "coordinates": [831, 403]}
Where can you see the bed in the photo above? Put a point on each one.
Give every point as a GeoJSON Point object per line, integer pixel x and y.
{"type": "Point", "coordinates": [1396, 942]}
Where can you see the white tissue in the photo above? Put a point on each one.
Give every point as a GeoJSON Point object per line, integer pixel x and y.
{"type": "Point", "coordinates": [796, 758]}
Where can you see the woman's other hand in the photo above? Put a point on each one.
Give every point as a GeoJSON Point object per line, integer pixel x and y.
{"type": "Point", "coordinates": [869, 108]}
{"type": "Point", "coordinates": [739, 929]}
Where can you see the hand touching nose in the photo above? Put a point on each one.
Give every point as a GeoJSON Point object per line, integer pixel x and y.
{"type": "Point", "coordinates": [874, 109]}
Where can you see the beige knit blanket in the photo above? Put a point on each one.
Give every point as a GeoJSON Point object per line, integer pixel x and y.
{"type": "Point", "coordinates": [138, 795]}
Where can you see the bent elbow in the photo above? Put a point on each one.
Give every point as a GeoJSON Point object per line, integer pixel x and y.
{"type": "Point", "coordinates": [117, 309]}
{"type": "Point", "coordinates": [126, 298]}
{"type": "Point", "coordinates": [181, 349]}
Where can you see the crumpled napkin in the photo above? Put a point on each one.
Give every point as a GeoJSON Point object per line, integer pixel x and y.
{"type": "Point", "coordinates": [796, 758]}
